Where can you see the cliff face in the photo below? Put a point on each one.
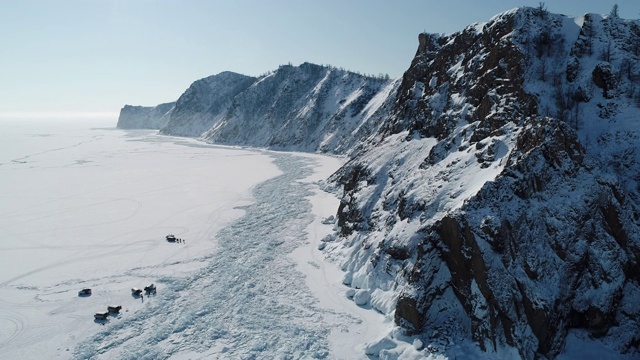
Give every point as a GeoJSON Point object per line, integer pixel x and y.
{"type": "Point", "coordinates": [500, 201]}
{"type": "Point", "coordinates": [145, 117]}
{"type": "Point", "coordinates": [204, 103]}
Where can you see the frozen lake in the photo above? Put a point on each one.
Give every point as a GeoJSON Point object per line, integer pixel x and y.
{"type": "Point", "coordinates": [88, 206]}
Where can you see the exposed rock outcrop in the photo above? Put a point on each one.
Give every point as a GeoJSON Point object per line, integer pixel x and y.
{"type": "Point", "coordinates": [494, 205]}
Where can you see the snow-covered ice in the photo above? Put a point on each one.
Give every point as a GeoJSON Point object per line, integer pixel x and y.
{"type": "Point", "coordinates": [89, 208]}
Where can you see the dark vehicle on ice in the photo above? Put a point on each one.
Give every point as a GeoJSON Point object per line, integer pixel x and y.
{"type": "Point", "coordinates": [101, 315]}
{"type": "Point", "coordinates": [151, 289]}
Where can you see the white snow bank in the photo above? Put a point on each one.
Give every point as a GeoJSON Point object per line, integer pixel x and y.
{"type": "Point", "coordinates": [352, 326]}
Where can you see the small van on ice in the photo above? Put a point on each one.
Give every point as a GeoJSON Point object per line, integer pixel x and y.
{"type": "Point", "coordinates": [101, 315]}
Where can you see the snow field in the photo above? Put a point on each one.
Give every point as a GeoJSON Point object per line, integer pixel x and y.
{"type": "Point", "coordinates": [245, 302]}
{"type": "Point", "coordinates": [90, 208]}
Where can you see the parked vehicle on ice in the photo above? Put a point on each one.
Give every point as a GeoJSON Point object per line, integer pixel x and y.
{"type": "Point", "coordinates": [114, 309]}
{"type": "Point", "coordinates": [136, 292]}
{"type": "Point", "coordinates": [150, 289]}
{"type": "Point", "coordinates": [101, 315]}
{"type": "Point", "coordinates": [171, 238]}
{"type": "Point", "coordinates": [84, 292]}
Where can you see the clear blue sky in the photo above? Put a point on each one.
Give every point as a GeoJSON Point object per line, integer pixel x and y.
{"type": "Point", "coordinates": [93, 56]}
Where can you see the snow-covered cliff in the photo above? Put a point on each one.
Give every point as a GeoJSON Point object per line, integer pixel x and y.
{"type": "Point", "coordinates": [204, 103]}
{"type": "Point", "coordinates": [303, 108]}
{"type": "Point", "coordinates": [145, 117]}
{"type": "Point", "coordinates": [500, 200]}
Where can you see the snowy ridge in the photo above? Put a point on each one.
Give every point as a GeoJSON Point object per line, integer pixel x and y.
{"type": "Point", "coordinates": [204, 103]}
{"type": "Point", "coordinates": [499, 203]}
{"type": "Point", "coordinates": [305, 108]}
{"type": "Point", "coordinates": [301, 108]}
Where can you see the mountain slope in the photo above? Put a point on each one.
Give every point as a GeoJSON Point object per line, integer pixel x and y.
{"type": "Point", "coordinates": [305, 108]}
{"type": "Point", "coordinates": [500, 200]}
{"type": "Point", "coordinates": [300, 108]}
{"type": "Point", "coordinates": [204, 103]}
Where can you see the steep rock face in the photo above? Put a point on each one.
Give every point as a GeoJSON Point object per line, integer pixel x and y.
{"type": "Point", "coordinates": [145, 117]}
{"type": "Point", "coordinates": [305, 108]}
{"type": "Point", "coordinates": [204, 103]}
{"type": "Point", "coordinates": [461, 77]}
{"type": "Point", "coordinates": [538, 242]}
{"type": "Point", "coordinates": [500, 201]}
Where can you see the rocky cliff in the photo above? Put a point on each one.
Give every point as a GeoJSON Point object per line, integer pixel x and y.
{"type": "Point", "coordinates": [145, 117]}
{"type": "Point", "coordinates": [499, 201]}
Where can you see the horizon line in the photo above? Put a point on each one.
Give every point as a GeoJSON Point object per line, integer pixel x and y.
{"type": "Point", "coordinates": [57, 114]}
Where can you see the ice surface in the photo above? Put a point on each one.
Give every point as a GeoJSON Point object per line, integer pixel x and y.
{"type": "Point", "coordinates": [89, 208]}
